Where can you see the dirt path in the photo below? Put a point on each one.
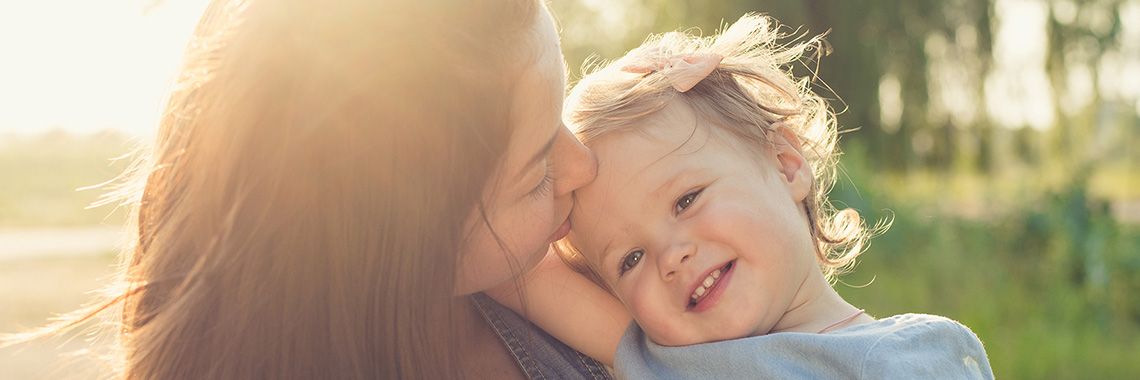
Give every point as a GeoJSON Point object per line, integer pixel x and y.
{"type": "Point", "coordinates": [58, 242]}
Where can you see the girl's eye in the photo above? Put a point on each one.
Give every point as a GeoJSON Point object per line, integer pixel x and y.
{"type": "Point", "coordinates": [546, 186]}
{"type": "Point", "coordinates": [631, 259]}
{"type": "Point", "coordinates": [685, 201]}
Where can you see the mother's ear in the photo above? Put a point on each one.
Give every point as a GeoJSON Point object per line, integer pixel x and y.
{"type": "Point", "coordinates": [795, 171]}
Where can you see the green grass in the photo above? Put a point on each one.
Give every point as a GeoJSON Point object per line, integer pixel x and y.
{"type": "Point", "coordinates": [43, 172]}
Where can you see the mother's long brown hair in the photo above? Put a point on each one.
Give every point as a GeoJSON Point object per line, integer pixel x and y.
{"type": "Point", "coordinates": [300, 213]}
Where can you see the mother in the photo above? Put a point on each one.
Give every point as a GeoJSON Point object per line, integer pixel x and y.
{"type": "Point", "coordinates": [335, 181]}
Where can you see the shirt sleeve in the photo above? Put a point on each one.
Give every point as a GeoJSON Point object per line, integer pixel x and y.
{"type": "Point", "coordinates": [929, 347]}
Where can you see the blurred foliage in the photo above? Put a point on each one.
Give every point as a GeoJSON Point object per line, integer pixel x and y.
{"type": "Point", "coordinates": [922, 44]}
{"type": "Point", "coordinates": [1027, 233]}
{"type": "Point", "coordinates": [1048, 281]}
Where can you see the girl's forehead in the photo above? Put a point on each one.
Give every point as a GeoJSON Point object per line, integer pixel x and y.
{"type": "Point", "coordinates": [631, 163]}
{"type": "Point", "coordinates": [655, 138]}
{"type": "Point", "coordinates": [640, 160]}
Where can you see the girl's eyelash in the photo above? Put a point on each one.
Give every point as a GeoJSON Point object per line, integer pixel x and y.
{"type": "Point", "coordinates": [686, 200]}
{"type": "Point", "coordinates": [630, 260]}
{"type": "Point", "coordinates": [546, 185]}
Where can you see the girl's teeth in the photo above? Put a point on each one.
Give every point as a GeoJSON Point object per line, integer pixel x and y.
{"type": "Point", "coordinates": [707, 283]}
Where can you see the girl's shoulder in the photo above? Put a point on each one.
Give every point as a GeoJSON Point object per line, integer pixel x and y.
{"type": "Point", "coordinates": [912, 323]}
{"type": "Point", "coordinates": [913, 331]}
{"type": "Point", "coordinates": [910, 344]}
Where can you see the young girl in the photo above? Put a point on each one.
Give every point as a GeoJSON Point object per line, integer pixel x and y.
{"type": "Point", "coordinates": [709, 220]}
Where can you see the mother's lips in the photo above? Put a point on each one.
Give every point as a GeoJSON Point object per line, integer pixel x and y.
{"type": "Point", "coordinates": [561, 232]}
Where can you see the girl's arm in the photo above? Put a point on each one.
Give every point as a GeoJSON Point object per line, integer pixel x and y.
{"type": "Point", "coordinates": [569, 307]}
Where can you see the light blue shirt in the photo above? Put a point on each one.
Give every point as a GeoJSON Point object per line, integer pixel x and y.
{"type": "Point", "coordinates": [908, 346]}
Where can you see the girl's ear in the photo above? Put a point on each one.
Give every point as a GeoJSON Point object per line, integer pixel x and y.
{"type": "Point", "coordinates": [795, 171]}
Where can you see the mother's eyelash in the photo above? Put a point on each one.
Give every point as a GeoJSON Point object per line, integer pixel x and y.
{"type": "Point", "coordinates": [546, 186]}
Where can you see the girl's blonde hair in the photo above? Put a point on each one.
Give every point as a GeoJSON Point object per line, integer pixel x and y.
{"type": "Point", "coordinates": [749, 95]}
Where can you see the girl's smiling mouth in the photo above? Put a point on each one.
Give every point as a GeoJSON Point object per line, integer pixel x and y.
{"type": "Point", "coordinates": [708, 291]}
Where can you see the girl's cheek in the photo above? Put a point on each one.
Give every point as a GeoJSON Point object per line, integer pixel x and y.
{"type": "Point", "coordinates": [634, 295]}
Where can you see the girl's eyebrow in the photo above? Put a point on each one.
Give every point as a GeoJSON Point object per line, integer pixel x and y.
{"type": "Point", "coordinates": [606, 252]}
{"type": "Point", "coordinates": [680, 176]}
{"type": "Point", "coordinates": [667, 186]}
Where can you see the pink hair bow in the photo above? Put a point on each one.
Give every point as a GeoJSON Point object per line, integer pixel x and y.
{"type": "Point", "coordinates": [683, 70]}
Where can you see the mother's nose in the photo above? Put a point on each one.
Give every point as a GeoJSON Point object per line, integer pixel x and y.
{"type": "Point", "coordinates": [574, 164]}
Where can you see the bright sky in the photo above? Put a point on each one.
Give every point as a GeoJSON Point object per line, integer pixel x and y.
{"type": "Point", "coordinates": [85, 65]}
{"type": "Point", "coordinates": [1017, 90]}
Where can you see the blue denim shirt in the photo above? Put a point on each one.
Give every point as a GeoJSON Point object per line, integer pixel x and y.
{"type": "Point", "coordinates": [538, 354]}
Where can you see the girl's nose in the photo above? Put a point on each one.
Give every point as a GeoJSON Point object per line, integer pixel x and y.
{"type": "Point", "coordinates": [574, 164]}
{"type": "Point", "coordinates": [674, 258]}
